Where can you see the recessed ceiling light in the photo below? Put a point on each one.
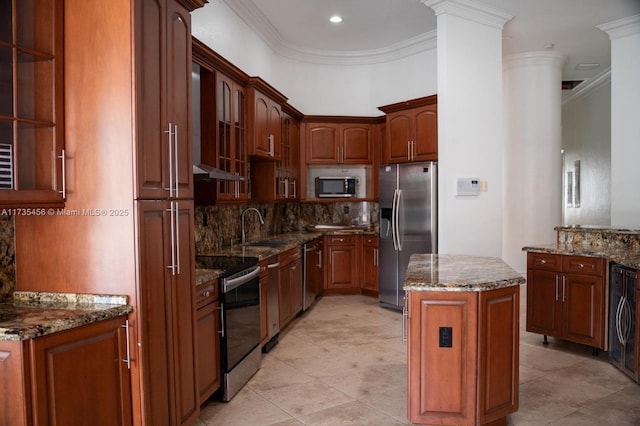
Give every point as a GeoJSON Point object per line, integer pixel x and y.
{"type": "Point", "coordinates": [335, 19]}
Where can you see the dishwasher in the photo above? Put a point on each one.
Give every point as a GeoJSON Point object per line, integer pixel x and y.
{"type": "Point", "coordinates": [273, 305]}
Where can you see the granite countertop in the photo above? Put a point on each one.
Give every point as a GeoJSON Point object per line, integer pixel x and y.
{"type": "Point", "coordinates": [289, 241]}
{"type": "Point", "coordinates": [624, 255]}
{"type": "Point", "coordinates": [457, 273]}
{"type": "Point", "coordinates": [29, 315]}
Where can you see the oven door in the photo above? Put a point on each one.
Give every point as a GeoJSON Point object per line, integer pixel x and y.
{"type": "Point", "coordinates": [240, 316]}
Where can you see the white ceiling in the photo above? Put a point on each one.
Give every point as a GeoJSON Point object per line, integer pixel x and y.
{"type": "Point", "coordinates": [378, 30]}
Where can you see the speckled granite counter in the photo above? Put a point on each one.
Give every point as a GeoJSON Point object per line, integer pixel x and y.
{"type": "Point", "coordinates": [616, 245]}
{"type": "Point", "coordinates": [31, 315]}
{"type": "Point", "coordinates": [457, 273]}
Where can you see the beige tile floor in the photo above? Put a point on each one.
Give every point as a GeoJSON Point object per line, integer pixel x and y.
{"type": "Point", "coordinates": [343, 363]}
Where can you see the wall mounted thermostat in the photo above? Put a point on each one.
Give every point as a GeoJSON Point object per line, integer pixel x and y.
{"type": "Point", "coordinates": [467, 186]}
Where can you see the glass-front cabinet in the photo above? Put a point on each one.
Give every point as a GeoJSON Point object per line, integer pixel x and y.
{"type": "Point", "coordinates": [31, 103]}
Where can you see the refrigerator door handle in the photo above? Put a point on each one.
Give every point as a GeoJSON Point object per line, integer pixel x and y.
{"type": "Point", "coordinates": [393, 220]}
{"type": "Point", "coordinates": [397, 219]}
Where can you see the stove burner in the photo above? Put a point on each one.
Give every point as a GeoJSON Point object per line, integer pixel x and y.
{"type": "Point", "coordinates": [228, 264]}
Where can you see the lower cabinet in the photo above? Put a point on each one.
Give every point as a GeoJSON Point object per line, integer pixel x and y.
{"type": "Point", "coordinates": [74, 377]}
{"type": "Point", "coordinates": [342, 264]}
{"type": "Point", "coordinates": [290, 289]}
{"type": "Point", "coordinates": [208, 338]}
{"type": "Point", "coordinates": [463, 354]}
{"type": "Point", "coordinates": [566, 297]}
{"type": "Point", "coordinates": [370, 264]}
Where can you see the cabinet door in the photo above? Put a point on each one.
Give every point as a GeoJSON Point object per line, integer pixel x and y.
{"type": "Point", "coordinates": [31, 104]}
{"type": "Point", "coordinates": [343, 267]}
{"type": "Point", "coordinates": [285, 296]}
{"type": "Point", "coordinates": [322, 144]}
{"type": "Point", "coordinates": [425, 138]}
{"type": "Point", "coordinates": [544, 302]}
{"type": "Point", "coordinates": [583, 309]}
{"type": "Point", "coordinates": [208, 328]}
{"type": "Point", "coordinates": [261, 139]}
{"type": "Point", "coordinates": [399, 135]}
{"type": "Point", "coordinates": [275, 129]}
{"type": "Point", "coordinates": [296, 280]}
{"type": "Point", "coordinates": [167, 315]}
{"type": "Point", "coordinates": [356, 144]}
{"type": "Point", "coordinates": [79, 376]}
{"type": "Point", "coordinates": [370, 264]}
{"type": "Point", "coordinates": [165, 157]}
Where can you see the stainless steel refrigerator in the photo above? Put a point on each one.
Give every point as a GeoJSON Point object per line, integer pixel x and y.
{"type": "Point", "coordinates": [408, 223]}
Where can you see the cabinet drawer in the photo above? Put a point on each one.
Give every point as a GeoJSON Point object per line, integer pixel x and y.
{"type": "Point", "coordinates": [582, 265]}
{"type": "Point", "coordinates": [370, 241]}
{"type": "Point", "coordinates": [342, 240]}
{"type": "Point", "coordinates": [544, 261]}
{"type": "Point", "coordinates": [206, 293]}
{"type": "Point", "coordinates": [290, 255]}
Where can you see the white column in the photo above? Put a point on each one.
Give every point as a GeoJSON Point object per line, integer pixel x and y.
{"type": "Point", "coordinates": [533, 163]}
{"type": "Point", "coordinates": [470, 129]}
{"type": "Point", "coordinates": [625, 121]}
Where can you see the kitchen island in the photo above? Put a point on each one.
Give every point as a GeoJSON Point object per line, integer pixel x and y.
{"type": "Point", "coordinates": [463, 339]}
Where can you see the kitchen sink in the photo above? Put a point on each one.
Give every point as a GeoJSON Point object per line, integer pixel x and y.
{"type": "Point", "coordinates": [267, 243]}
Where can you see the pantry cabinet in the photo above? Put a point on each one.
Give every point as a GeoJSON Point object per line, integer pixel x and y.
{"type": "Point", "coordinates": [32, 154]}
{"type": "Point", "coordinates": [566, 297]}
{"type": "Point", "coordinates": [412, 131]}
{"type": "Point", "coordinates": [53, 379]}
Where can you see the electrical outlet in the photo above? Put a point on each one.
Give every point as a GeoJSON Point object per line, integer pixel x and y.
{"type": "Point", "coordinates": [345, 209]}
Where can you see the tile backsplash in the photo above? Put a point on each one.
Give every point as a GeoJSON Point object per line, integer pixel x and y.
{"type": "Point", "coordinates": [7, 258]}
{"type": "Point", "coordinates": [220, 226]}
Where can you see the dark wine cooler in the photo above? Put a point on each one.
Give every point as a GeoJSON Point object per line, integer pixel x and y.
{"type": "Point", "coordinates": [623, 311]}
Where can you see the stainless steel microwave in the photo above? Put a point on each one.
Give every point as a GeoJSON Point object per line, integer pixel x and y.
{"type": "Point", "coordinates": [336, 186]}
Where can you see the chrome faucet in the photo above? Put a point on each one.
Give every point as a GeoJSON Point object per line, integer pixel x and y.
{"type": "Point", "coordinates": [242, 220]}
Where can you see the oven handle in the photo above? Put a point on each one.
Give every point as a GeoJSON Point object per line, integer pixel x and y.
{"type": "Point", "coordinates": [237, 282]}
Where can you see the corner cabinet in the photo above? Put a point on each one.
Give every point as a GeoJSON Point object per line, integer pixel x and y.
{"type": "Point", "coordinates": [32, 155]}
{"type": "Point", "coordinates": [264, 118]}
{"type": "Point", "coordinates": [53, 379]}
{"type": "Point", "coordinates": [566, 298]}
{"type": "Point", "coordinates": [412, 131]}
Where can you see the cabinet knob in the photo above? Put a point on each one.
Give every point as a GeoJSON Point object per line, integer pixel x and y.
{"type": "Point", "coordinates": [542, 261]}
{"type": "Point", "coordinates": [207, 293]}
{"type": "Point", "coordinates": [580, 265]}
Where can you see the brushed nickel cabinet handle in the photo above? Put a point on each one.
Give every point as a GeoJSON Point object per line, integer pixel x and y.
{"type": "Point", "coordinates": [63, 160]}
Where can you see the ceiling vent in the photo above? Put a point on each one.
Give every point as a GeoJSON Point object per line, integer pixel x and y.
{"type": "Point", "coordinates": [570, 84]}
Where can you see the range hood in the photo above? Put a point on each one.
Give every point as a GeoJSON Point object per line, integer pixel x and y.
{"type": "Point", "coordinates": [215, 173]}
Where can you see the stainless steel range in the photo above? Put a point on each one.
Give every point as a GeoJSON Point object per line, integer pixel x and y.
{"type": "Point", "coordinates": [240, 319]}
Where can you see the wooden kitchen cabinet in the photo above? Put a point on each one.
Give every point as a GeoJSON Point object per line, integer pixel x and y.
{"type": "Point", "coordinates": [566, 297]}
{"type": "Point", "coordinates": [290, 289]}
{"type": "Point", "coordinates": [54, 379]}
{"type": "Point", "coordinates": [164, 149]}
{"type": "Point", "coordinates": [208, 338]}
{"type": "Point", "coordinates": [264, 119]}
{"type": "Point", "coordinates": [31, 105]}
{"type": "Point", "coordinates": [412, 131]}
{"type": "Point", "coordinates": [332, 143]}
{"type": "Point", "coordinates": [463, 354]}
{"type": "Point", "coordinates": [342, 271]}
{"type": "Point", "coordinates": [370, 265]}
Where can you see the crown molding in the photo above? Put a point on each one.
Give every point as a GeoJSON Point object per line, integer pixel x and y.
{"type": "Point", "coordinates": [622, 27]}
{"type": "Point", "coordinates": [472, 10]}
{"type": "Point", "coordinates": [251, 15]}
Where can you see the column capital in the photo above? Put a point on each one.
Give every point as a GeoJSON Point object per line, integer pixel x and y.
{"type": "Point", "coordinates": [536, 58]}
{"type": "Point", "coordinates": [621, 27]}
{"type": "Point", "coordinates": [472, 10]}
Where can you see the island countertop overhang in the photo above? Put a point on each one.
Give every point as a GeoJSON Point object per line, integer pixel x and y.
{"type": "Point", "coordinates": [459, 273]}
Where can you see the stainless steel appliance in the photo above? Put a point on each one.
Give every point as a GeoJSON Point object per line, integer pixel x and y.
{"type": "Point", "coordinates": [408, 223]}
{"type": "Point", "coordinates": [273, 303]}
{"type": "Point", "coordinates": [336, 187]}
{"type": "Point", "coordinates": [312, 273]}
{"type": "Point", "coordinates": [622, 320]}
{"type": "Point", "coordinates": [240, 319]}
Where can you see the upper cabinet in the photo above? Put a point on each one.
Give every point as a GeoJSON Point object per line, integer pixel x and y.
{"type": "Point", "coordinates": [264, 119]}
{"type": "Point", "coordinates": [220, 127]}
{"type": "Point", "coordinates": [165, 156]}
{"type": "Point", "coordinates": [412, 131]}
{"type": "Point", "coordinates": [334, 142]}
{"type": "Point", "coordinates": [32, 156]}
